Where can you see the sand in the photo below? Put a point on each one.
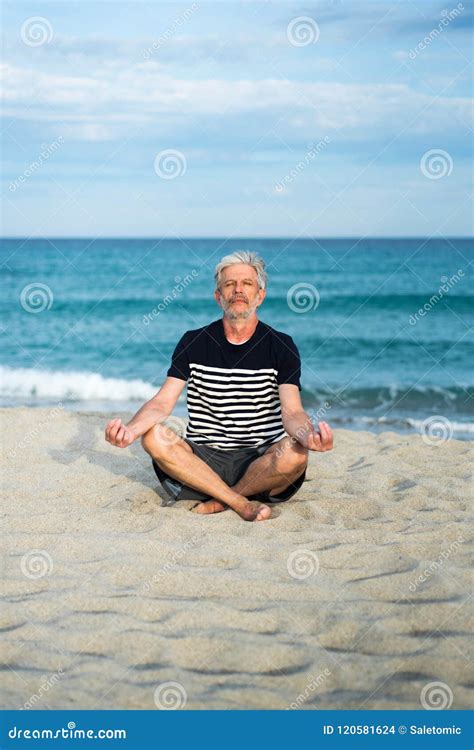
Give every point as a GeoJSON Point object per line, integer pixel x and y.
{"type": "Point", "coordinates": [355, 595]}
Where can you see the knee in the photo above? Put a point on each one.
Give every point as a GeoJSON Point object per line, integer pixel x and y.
{"type": "Point", "coordinates": [294, 458]}
{"type": "Point", "coordinates": [158, 440]}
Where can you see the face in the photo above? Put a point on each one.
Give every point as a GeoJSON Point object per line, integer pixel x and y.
{"type": "Point", "coordinates": [239, 294]}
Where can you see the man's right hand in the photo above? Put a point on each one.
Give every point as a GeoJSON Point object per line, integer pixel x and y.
{"type": "Point", "coordinates": [119, 434]}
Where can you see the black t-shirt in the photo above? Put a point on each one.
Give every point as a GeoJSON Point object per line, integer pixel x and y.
{"type": "Point", "coordinates": [232, 389]}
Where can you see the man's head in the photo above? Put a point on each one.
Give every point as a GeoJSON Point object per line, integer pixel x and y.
{"type": "Point", "coordinates": [241, 282]}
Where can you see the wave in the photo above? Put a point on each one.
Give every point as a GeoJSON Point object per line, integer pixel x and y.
{"type": "Point", "coordinates": [457, 399]}
{"type": "Point", "coordinates": [466, 428]}
{"type": "Point", "coordinates": [396, 404]}
{"type": "Point", "coordinates": [46, 385]}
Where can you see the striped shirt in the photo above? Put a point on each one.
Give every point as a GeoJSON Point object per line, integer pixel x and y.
{"type": "Point", "coordinates": [232, 389]}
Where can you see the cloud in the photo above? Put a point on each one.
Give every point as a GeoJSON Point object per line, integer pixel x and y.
{"type": "Point", "coordinates": [142, 93]}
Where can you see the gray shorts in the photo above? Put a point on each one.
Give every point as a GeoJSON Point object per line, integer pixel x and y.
{"type": "Point", "coordinates": [230, 466]}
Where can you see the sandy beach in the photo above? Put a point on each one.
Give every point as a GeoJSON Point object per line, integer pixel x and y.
{"type": "Point", "coordinates": [355, 595]}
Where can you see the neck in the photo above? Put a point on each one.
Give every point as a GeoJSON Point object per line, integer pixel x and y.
{"type": "Point", "coordinates": [238, 331]}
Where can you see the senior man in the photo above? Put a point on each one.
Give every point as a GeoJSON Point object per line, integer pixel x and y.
{"type": "Point", "coordinates": [247, 439]}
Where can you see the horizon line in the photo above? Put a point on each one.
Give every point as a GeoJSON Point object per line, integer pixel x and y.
{"type": "Point", "coordinates": [247, 237]}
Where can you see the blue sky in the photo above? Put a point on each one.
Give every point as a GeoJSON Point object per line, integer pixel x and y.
{"type": "Point", "coordinates": [243, 101]}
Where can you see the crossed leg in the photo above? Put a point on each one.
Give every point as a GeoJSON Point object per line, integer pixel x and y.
{"type": "Point", "coordinates": [177, 458]}
{"type": "Point", "coordinates": [275, 470]}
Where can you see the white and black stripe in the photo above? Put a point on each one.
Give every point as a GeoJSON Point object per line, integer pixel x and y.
{"type": "Point", "coordinates": [233, 408]}
{"type": "Point", "coordinates": [232, 390]}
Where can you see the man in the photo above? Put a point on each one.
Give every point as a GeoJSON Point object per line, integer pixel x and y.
{"type": "Point", "coordinates": [247, 438]}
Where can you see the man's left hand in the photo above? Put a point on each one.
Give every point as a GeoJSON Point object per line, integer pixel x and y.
{"type": "Point", "coordinates": [321, 440]}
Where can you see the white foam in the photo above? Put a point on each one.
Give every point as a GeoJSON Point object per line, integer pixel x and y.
{"type": "Point", "coordinates": [47, 385]}
{"type": "Point", "coordinates": [467, 427]}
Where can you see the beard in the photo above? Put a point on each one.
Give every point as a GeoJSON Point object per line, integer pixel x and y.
{"type": "Point", "coordinates": [231, 314]}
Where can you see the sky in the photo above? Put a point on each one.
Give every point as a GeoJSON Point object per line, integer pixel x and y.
{"type": "Point", "coordinates": [252, 119]}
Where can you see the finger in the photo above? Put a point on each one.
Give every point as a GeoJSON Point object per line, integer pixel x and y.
{"type": "Point", "coordinates": [331, 436]}
{"type": "Point", "coordinates": [125, 438]}
{"type": "Point", "coordinates": [120, 434]}
{"type": "Point", "coordinates": [109, 427]}
{"type": "Point", "coordinates": [115, 428]}
{"type": "Point", "coordinates": [315, 439]}
{"type": "Point", "coordinates": [324, 433]}
{"type": "Point", "coordinates": [326, 436]}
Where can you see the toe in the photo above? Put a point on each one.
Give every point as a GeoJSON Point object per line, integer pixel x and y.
{"type": "Point", "coordinates": [210, 506]}
{"type": "Point", "coordinates": [264, 513]}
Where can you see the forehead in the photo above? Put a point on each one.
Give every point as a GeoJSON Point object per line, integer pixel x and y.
{"type": "Point", "coordinates": [238, 271]}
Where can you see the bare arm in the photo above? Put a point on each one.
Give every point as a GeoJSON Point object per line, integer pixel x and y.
{"type": "Point", "coordinates": [154, 411]}
{"type": "Point", "coordinates": [298, 424]}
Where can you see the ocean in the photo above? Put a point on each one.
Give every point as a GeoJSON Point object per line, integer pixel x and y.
{"type": "Point", "coordinates": [383, 326]}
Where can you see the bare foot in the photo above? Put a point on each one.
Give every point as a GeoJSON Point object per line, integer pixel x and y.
{"type": "Point", "coordinates": [255, 511]}
{"type": "Point", "coordinates": [210, 506]}
{"type": "Point", "coordinates": [252, 510]}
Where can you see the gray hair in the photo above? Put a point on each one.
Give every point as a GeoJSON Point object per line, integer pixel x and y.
{"type": "Point", "coordinates": [242, 256]}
